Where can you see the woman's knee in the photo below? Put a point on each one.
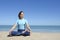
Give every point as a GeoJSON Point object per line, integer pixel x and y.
{"type": "Point", "coordinates": [26, 33]}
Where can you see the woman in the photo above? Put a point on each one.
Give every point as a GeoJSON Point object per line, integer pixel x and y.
{"type": "Point", "coordinates": [21, 23]}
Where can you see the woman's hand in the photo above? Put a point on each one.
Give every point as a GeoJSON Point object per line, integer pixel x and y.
{"type": "Point", "coordinates": [10, 32]}
{"type": "Point", "coordinates": [14, 26]}
{"type": "Point", "coordinates": [23, 31]}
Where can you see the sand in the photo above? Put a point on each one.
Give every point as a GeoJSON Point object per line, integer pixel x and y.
{"type": "Point", "coordinates": [34, 36]}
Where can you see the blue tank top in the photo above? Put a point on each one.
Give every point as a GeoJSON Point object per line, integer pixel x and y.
{"type": "Point", "coordinates": [21, 23]}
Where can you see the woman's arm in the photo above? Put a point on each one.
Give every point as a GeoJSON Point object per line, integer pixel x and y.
{"type": "Point", "coordinates": [14, 26]}
{"type": "Point", "coordinates": [28, 27]}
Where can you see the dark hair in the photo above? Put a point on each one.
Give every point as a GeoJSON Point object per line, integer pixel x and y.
{"type": "Point", "coordinates": [19, 14]}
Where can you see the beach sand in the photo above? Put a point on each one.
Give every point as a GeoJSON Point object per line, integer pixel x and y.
{"type": "Point", "coordinates": [34, 36]}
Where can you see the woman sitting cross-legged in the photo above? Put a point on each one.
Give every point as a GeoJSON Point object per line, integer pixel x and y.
{"type": "Point", "coordinates": [21, 23]}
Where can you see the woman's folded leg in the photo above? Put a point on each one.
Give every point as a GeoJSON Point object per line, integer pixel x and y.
{"type": "Point", "coordinates": [14, 33]}
{"type": "Point", "coordinates": [26, 33]}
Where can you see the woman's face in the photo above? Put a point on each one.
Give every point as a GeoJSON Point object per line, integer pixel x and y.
{"type": "Point", "coordinates": [21, 15]}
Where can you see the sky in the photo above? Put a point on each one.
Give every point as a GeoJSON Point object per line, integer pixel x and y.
{"type": "Point", "coordinates": [37, 12]}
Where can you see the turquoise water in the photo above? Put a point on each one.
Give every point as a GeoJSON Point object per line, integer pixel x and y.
{"type": "Point", "coordinates": [35, 28]}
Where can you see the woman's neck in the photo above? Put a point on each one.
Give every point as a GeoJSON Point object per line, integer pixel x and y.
{"type": "Point", "coordinates": [21, 18]}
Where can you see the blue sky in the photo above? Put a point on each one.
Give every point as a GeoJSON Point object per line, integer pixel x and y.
{"type": "Point", "coordinates": [37, 12]}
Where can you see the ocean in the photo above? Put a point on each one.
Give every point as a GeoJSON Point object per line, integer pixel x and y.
{"type": "Point", "coordinates": [35, 28]}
